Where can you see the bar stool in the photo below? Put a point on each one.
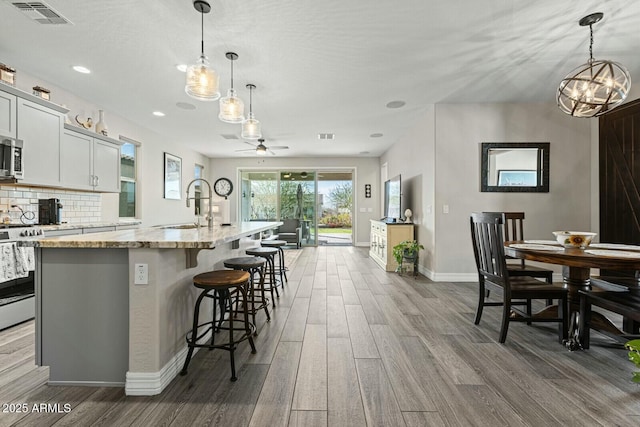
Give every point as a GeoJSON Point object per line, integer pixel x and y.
{"type": "Point", "coordinates": [268, 254]}
{"type": "Point", "coordinates": [252, 265]}
{"type": "Point", "coordinates": [217, 285]}
{"type": "Point", "coordinates": [282, 269]}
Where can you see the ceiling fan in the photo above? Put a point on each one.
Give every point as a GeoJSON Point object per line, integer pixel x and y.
{"type": "Point", "coordinates": [261, 149]}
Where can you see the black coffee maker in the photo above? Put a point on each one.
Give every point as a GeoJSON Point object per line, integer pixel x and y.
{"type": "Point", "coordinates": [49, 211]}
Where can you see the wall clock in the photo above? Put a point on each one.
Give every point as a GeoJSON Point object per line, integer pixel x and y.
{"type": "Point", "coordinates": [223, 187]}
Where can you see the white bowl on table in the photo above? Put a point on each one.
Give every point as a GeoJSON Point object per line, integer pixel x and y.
{"type": "Point", "coordinates": [574, 239]}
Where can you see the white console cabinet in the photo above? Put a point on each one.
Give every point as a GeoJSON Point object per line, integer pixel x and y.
{"type": "Point", "coordinates": [383, 238]}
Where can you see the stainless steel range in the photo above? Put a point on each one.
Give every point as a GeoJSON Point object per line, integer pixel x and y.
{"type": "Point", "coordinates": [17, 296]}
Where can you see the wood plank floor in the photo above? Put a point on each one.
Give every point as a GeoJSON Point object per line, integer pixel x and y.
{"type": "Point", "coordinates": [351, 345]}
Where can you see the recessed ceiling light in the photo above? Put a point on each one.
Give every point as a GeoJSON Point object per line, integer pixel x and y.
{"type": "Point", "coordinates": [328, 136]}
{"type": "Point", "coordinates": [182, 67]}
{"type": "Point", "coordinates": [81, 69]}
{"type": "Point", "coordinates": [158, 114]}
{"type": "Point", "coordinates": [364, 152]}
{"type": "Point", "coordinates": [185, 106]}
{"type": "Point", "coordinates": [375, 135]}
{"type": "Point", "coordinates": [395, 104]}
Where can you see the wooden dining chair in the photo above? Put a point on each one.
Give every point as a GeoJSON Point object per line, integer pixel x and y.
{"type": "Point", "coordinates": [514, 230]}
{"type": "Point", "coordinates": [488, 249]}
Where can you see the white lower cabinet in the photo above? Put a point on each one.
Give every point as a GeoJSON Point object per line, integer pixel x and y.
{"type": "Point", "coordinates": [383, 238]}
{"type": "Point", "coordinates": [89, 163]}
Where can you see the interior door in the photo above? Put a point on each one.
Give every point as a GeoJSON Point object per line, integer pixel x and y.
{"type": "Point", "coordinates": [620, 175]}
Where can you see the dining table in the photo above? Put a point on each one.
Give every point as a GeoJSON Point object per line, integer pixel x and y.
{"type": "Point", "coordinates": [576, 274]}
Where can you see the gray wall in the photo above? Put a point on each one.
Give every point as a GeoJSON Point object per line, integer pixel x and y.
{"type": "Point", "coordinates": [458, 129]}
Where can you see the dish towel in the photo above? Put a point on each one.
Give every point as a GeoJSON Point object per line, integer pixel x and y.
{"type": "Point", "coordinates": [16, 262]}
{"type": "Point", "coordinates": [25, 261]}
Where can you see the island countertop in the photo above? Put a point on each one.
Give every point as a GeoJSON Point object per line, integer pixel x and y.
{"type": "Point", "coordinates": [163, 237]}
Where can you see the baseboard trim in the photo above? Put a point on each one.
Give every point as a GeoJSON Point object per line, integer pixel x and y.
{"type": "Point", "coordinates": [454, 277]}
{"type": "Point", "coordinates": [152, 383]}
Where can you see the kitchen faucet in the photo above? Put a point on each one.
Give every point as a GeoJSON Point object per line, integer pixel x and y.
{"type": "Point", "coordinates": [210, 198]}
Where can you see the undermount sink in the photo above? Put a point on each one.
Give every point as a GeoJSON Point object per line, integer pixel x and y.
{"type": "Point", "coordinates": [183, 226]}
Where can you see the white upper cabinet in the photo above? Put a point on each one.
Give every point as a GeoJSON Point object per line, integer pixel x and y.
{"type": "Point", "coordinates": [41, 130]}
{"type": "Point", "coordinates": [7, 114]}
{"type": "Point", "coordinates": [75, 160]}
{"type": "Point", "coordinates": [106, 166]}
{"type": "Point", "coordinates": [89, 162]}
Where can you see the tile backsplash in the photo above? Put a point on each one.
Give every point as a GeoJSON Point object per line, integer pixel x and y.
{"type": "Point", "coordinates": [77, 206]}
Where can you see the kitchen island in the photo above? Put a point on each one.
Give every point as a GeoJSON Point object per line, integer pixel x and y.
{"type": "Point", "coordinates": [113, 308]}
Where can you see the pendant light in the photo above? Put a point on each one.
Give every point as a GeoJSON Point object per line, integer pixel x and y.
{"type": "Point", "coordinates": [202, 80]}
{"type": "Point", "coordinates": [231, 107]}
{"type": "Point", "coordinates": [595, 87]}
{"type": "Point", "coordinates": [251, 128]}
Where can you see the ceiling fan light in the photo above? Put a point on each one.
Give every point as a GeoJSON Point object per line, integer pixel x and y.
{"type": "Point", "coordinates": [202, 81]}
{"type": "Point", "coordinates": [231, 108]}
{"type": "Point", "coordinates": [251, 128]}
{"type": "Point", "coordinates": [261, 150]}
{"type": "Point", "coordinates": [594, 89]}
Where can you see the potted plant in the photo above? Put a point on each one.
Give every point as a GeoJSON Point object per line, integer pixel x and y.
{"type": "Point", "coordinates": [634, 355]}
{"type": "Point", "coordinates": [407, 250]}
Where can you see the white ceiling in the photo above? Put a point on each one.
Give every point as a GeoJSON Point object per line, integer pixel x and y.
{"type": "Point", "coordinates": [319, 65]}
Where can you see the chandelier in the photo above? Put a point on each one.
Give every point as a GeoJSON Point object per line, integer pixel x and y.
{"type": "Point", "coordinates": [595, 87]}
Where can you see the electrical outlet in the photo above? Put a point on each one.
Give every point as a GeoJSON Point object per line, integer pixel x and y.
{"type": "Point", "coordinates": [445, 209]}
{"type": "Point", "coordinates": [141, 274]}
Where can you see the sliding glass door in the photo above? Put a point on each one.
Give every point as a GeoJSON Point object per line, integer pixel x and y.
{"type": "Point", "coordinates": [298, 200]}
{"type": "Point", "coordinates": [322, 201]}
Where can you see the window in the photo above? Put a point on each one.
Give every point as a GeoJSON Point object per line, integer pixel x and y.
{"type": "Point", "coordinates": [128, 177]}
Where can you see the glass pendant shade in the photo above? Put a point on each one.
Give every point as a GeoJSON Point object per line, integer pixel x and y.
{"type": "Point", "coordinates": [251, 128]}
{"type": "Point", "coordinates": [593, 89]}
{"type": "Point", "coordinates": [231, 108]}
{"type": "Point", "coordinates": [202, 81]}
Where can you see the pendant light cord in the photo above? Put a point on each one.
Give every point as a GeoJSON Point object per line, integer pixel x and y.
{"type": "Point", "coordinates": [231, 73]}
{"type": "Point", "coordinates": [202, 33]}
{"type": "Point", "coordinates": [250, 100]}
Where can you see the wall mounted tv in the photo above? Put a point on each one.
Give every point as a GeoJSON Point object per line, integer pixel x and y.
{"type": "Point", "coordinates": [393, 200]}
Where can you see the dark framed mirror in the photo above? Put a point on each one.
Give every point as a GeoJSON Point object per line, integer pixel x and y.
{"type": "Point", "coordinates": [515, 167]}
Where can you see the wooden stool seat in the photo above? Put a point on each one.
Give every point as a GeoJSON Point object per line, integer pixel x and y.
{"type": "Point", "coordinates": [219, 285]}
{"type": "Point", "coordinates": [244, 262]}
{"type": "Point", "coordinates": [261, 251]}
{"type": "Point", "coordinates": [220, 278]}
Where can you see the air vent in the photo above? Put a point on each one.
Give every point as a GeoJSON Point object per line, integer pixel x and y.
{"type": "Point", "coordinates": [229, 136]}
{"type": "Point", "coordinates": [326, 136]}
{"type": "Point", "coordinates": [40, 12]}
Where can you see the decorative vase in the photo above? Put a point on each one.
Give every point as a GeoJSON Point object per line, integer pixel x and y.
{"type": "Point", "coordinates": [101, 126]}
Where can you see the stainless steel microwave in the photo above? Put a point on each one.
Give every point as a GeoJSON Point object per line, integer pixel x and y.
{"type": "Point", "coordinates": [11, 159]}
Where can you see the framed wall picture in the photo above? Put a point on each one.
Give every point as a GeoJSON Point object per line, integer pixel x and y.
{"type": "Point", "coordinates": [172, 176]}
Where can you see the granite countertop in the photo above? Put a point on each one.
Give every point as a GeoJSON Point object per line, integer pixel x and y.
{"type": "Point", "coordinates": [75, 226]}
{"type": "Point", "coordinates": [156, 237]}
